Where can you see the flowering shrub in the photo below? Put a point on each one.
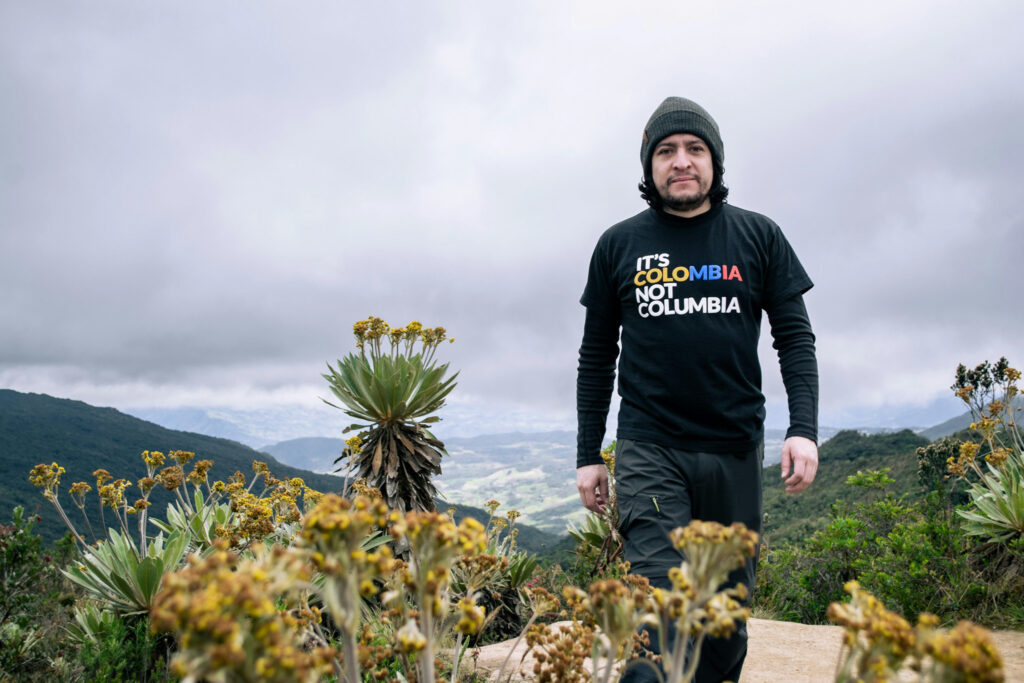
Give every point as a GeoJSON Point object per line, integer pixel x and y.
{"type": "Point", "coordinates": [258, 612]}
{"type": "Point", "coordinates": [124, 574]}
{"type": "Point", "coordinates": [877, 643]}
{"type": "Point", "coordinates": [997, 497]}
{"type": "Point", "coordinates": [957, 552]}
{"type": "Point", "coordinates": [297, 611]}
{"type": "Point", "coordinates": [242, 615]}
{"type": "Point", "coordinates": [334, 532]}
{"type": "Point", "coordinates": [496, 576]}
{"type": "Point", "coordinates": [606, 617]}
{"type": "Point", "coordinates": [435, 543]}
{"type": "Point", "coordinates": [266, 596]}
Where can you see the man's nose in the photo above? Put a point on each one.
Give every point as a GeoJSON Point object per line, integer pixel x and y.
{"type": "Point", "coordinates": [681, 159]}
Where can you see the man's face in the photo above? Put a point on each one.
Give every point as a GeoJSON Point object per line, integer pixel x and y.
{"type": "Point", "coordinates": [682, 172]}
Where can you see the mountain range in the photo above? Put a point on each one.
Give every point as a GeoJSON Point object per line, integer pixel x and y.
{"type": "Point", "coordinates": [259, 427]}
{"type": "Point", "coordinates": [36, 428]}
{"type": "Point", "coordinates": [530, 472]}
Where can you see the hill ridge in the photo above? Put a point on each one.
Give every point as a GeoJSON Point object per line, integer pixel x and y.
{"type": "Point", "coordinates": [39, 428]}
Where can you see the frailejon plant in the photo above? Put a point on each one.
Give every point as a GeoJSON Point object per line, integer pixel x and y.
{"type": "Point", "coordinates": [120, 573]}
{"type": "Point", "coordinates": [243, 617]}
{"type": "Point", "coordinates": [696, 605]}
{"type": "Point", "coordinates": [124, 578]}
{"type": "Point", "coordinates": [124, 574]}
{"type": "Point", "coordinates": [435, 544]}
{"type": "Point", "coordinates": [393, 386]}
{"type": "Point", "coordinates": [605, 618]}
{"type": "Point", "coordinates": [997, 497]}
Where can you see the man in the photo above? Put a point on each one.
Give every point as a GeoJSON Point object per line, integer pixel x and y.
{"type": "Point", "coordinates": [686, 281]}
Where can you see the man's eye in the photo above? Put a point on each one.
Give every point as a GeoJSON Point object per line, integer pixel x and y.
{"type": "Point", "coordinates": [698, 149]}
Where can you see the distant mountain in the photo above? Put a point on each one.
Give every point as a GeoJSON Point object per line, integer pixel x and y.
{"type": "Point", "coordinates": [315, 453]}
{"type": "Point", "coordinates": [531, 472]}
{"type": "Point", "coordinates": [895, 416]}
{"type": "Point", "coordinates": [259, 426]}
{"type": "Point", "coordinates": [253, 427]}
{"type": "Point", "coordinates": [949, 427]}
{"type": "Point", "coordinates": [959, 423]}
{"type": "Point", "coordinates": [36, 428]}
{"type": "Point", "coordinates": [196, 420]}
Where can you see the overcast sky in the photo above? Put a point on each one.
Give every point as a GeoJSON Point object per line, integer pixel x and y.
{"type": "Point", "coordinates": [198, 199]}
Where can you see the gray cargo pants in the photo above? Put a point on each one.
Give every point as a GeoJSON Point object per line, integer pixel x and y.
{"type": "Point", "coordinates": [661, 488]}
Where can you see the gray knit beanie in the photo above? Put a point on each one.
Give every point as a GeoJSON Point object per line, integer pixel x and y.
{"type": "Point", "coordinates": [679, 115]}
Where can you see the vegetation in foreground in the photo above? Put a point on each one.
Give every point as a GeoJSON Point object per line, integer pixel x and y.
{"type": "Point", "coordinates": [268, 579]}
{"type": "Point", "coordinates": [956, 551]}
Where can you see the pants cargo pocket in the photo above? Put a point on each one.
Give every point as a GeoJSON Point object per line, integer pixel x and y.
{"type": "Point", "coordinates": [644, 523]}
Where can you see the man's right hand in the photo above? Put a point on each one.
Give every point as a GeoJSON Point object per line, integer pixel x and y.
{"type": "Point", "coordinates": [592, 483]}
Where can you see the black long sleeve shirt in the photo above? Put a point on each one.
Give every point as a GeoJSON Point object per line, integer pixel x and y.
{"type": "Point", "coordinates": [692, 379]}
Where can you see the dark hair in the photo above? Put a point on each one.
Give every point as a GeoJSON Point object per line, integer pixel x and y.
{"type": "Point", "coordinates": [717, 194]}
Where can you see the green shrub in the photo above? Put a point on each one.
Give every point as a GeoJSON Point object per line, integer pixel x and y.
{"type": "Point", "coordinates": [922, 566]}
{"type": "Point", "coordinates": [126, 650]}
{"type": "Point", "coordinates": [32, 598]}
{"type": "Point", "coordinates": [798, 583]}
{"type": "Point", "coordinates": [914, 557]}
{"type": "Point", "coordinates": [22, 566]}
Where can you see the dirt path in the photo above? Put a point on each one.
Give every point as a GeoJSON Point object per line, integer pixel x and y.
{"type": "Point", "coordinates": [793, 653]}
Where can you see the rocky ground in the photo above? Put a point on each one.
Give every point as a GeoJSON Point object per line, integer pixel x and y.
{"type": "Point", "coordinates": [783, 651]}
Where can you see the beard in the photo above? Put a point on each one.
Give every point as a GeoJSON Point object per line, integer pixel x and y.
{"type": "Point", "coordinates": [689, 203]}
{"type": "Point", "coordinates": [686, 202]}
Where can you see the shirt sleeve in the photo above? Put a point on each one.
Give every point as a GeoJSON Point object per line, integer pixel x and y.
{"type": "Point", "coordinates": [794, 342]}
{"type": "Point", "coordinates": [786, 276]}
{"type": "Point", "coordinates": [595, 380]}
{"type": "Point", "coordinates": [601, 293]}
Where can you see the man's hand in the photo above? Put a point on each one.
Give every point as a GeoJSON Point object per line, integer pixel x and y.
{"type": "Point", "coordinates": [592, 483]}
{"type": "Point", "coordinates": [800, 453]}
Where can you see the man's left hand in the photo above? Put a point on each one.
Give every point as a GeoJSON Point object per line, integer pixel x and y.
{"type": "Point", "coordinates": [800, 455]}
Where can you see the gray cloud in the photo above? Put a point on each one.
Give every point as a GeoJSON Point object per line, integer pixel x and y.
{"type": "Point", "coordinates": [198, 201]}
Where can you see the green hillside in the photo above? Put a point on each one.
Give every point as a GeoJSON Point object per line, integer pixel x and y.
{"type": "Point", "coordinates": [796, 517]}
{"type": "Point", "coordinates": [36, 428]}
